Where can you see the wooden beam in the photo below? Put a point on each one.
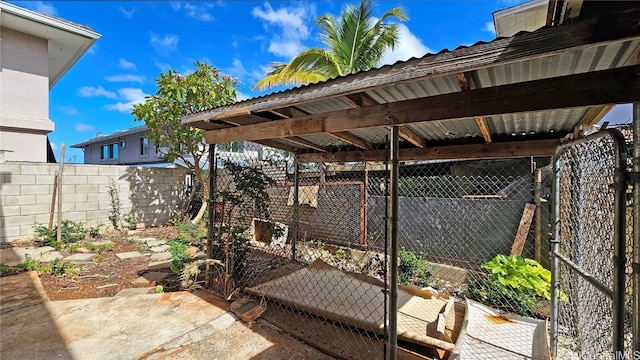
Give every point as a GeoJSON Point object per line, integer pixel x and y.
{"type": "Point", "coordinates": [352, 139]}
{"type": "Point", "coordinates": [595, 114]}
{"type": "Point", "coordinates": [484, 129]}
{"type": "Point", "coordinates": [347, 100]}
{"type": "Point", "coordinates": [620, 85]}
{"type": "Point", "coordinates": [523, 229]}
{"type": "Point", "coordinates": [277, 145]}
{"type": "Point", "coordinates": [411, 136]}
{"type": "Point", "coordinates": [464, 81]}
{"type": "Point", "coordinates": [494, 150]}
{"type": "Point", "coordinates": [306, 143]}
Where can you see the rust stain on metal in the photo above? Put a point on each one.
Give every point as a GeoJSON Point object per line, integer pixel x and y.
{"type": "Point", "coordinates": [499, 319]}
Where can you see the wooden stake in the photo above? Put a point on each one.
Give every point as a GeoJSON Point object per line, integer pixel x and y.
{"type": "Point", "coordinates": [523, 229]}
{"type": "Point", "coordinates": [59, 230]}
{"type": "Point", "coordinates": [53, 200]}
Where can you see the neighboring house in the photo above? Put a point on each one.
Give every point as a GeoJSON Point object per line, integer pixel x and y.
{"type": "Point", "coordinates": [36, 50]}
{"type": "Point", "coordinates": [132, 147]}
{"type": "Point", "coordinates": [532, 15]}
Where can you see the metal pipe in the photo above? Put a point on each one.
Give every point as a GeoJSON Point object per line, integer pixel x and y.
{"type": "Point", "coordinates": [212, 210]}
{"type": "Point", "coordinates": [296, 210]}
{"type": "Point", "coordinates": [537, 196]}
{"type": "Point", "coordinates": [393, 233]}
{"type": "Point", "coordinates": [553, 247]}
{"type": "Point", "coordinates": [586, 275]}
{"type": "Point", "coordinates": [635, 307]}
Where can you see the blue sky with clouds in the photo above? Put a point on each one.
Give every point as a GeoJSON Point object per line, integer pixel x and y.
{"type": "Point", "coordinates": [142, 39]}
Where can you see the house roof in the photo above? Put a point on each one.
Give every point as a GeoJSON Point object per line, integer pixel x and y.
{"type": "Point", "coordinates": [116, 135]}
{"type": "Point", "coordinates": [67, 41]}
{"type": "Point", "coordinates": [514, 96]}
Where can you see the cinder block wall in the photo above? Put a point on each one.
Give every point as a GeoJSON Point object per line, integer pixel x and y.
{"type": "Point", "coordinates": [153, 195]}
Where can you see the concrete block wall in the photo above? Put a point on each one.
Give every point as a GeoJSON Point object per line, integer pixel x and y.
{"type": "Point", "coordinates": [153, 195]}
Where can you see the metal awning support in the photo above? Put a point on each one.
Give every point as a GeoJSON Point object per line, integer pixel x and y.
{"type": "Point", "coordinates": [393, 241]}
{"type": "Point", "coordinates": [635, 311]}
{"type": "Point", "coordinates": [212, 209]}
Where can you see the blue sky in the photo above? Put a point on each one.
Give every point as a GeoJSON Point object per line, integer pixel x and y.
{"type": "Point", "coordinates": [142, 39]}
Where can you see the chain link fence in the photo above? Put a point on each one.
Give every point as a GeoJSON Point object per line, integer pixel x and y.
{"type": "Point", "coordinates": [309, 241]}
{"type": "Point", "coordinates": [593, 301]}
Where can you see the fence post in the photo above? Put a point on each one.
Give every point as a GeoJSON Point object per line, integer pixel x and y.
{"type": "Point", "coordinates": [635, 317]}
{"type": "Point", "coordinates": [553, 247]}
{"type": "Point", "coordinates": [393, 227]}
{"type": "Point", "coordinates": [537, 190]}
{"type": "Point", "coordinates": [212, 210]}
{"type": "Point", "coordinates": [296, 209]}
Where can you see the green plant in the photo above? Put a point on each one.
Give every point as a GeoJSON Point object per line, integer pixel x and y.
{"type": "Point", "coordinates": [179, 256]}
{"type": "Point", "coordinates": [159, 289]}
{"type": "Point", "coordinates": [342, 254]}
{"type": "Point", "coordinates": [130, 219]}
{"type": "Point", "coordinates": [413, 269]}
{"type": "Point", "coordinates": [114, 212]}
{"type": "Point", "coordinates": [514, 284]}
{"type": "Point", "coordinates": [71, 231]}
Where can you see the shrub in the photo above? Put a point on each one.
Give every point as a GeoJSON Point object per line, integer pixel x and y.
{"type": "Point", "coordinates": [413, 269]}
{"type": "Point", "coordinates": [514, 284]}
{"type": "Point", "coordinates": [71, 231]}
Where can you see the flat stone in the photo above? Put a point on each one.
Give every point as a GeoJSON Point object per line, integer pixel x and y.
{"type": "Point", "coordinates": [155, 242]}
{"type": "Point", "coordinates": [158, 249]}
{"type": "Point", "coordinates": [160, 256]}
{"type": "Point", "coordinates": [78, 258]}
{"type": "Point", "coordinates": [129, 255]}
{"type": "Point", "coordinates": [100, 242]}
{"type": "Point", "coordinates": [83, 250]}
{"type": "Point", "coordinates": [159, 265]}
{"type": "Point", "coordinates": [137, 291]}
{"type": "Point", "coordinates": [20, 291]}
{"type": "Point", "coordinates": [200, 255]}
{"type": "Point", "coordinates": [15, 256]}
{"type": "Point", "coordinates": [152, 278]}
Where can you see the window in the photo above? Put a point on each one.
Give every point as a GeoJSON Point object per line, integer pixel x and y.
{"type": "Point", "coordinates": [144, 147]}
{"type": "Point", "coordinates": [123, 144]}
{"type": "Point", "coordinates": [109, 151]}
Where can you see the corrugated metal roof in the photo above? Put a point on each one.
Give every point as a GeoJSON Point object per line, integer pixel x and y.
{"type": "Point", "coordinates": [542, 54]}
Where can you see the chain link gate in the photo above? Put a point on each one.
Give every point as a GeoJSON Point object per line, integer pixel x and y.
{"type": "Point", "coordinates": [590, 296]}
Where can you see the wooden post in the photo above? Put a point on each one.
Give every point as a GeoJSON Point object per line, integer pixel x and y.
{"type": "Point", "coordinates": [537, 197]}
{"type": "Point", "coordinates": [53, 200]}
{"type": "Point", "coordinates": [59, 230]}
{"type": "Point", "coordinates": [523, 229]}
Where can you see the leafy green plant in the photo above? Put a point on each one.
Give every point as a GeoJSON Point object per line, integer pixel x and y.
{"type": "Point", "coordinates": [342, 254]}
{"type": "Point", "coordinates": [114, 211]}
{"type": "Point", "coordinates": [179, 256]}
{"type": "Point", "coordinates": [514, 284]}
{"type": "Point", "coordinates": [413, 269]}
{"type": "Point", "coordinates": [130, 219]}
{"type": "Point", "coordinates": [71, 232]}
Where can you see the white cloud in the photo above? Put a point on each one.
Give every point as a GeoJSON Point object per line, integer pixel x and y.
{"type": "Point", "coordinates": [239, 71]}
{"type": "Point", "coordinates": [127, 13]}
{"type": "Point", "coordinates": [130, 96]}
{"type": "Point", "coordinates": [162, 66]}
{"type": "Point", "coordinates": [90, 91]}
{"type": "Point", "coordinates": [83, 127]}
{"type": "Point", "coordinates": [176, 5]}
{"type": "Point", "coordinates": [291, 23]}
{"type": "Point", "coordinates": [126, 78]}
{"type": "Point", "coordinates": [69, 110]}
{"type": "Point", "coordinates": [488, 27]}
{"type": "Point", "coordinates": [164, 44]}
{"type": "Point", "coordinates": [199, 12]}
{"type": "Point", "coordinates": [234, 43]}
{"type": "Point", "coordinates": [408, 46]}
{"type": "Point", "coordinates": [127, 65]}
{"type": "Point", "coordinates": [44, 7]}
{"type": "Point", "coordinates": [92, 49]}
{"type": "Point", "coordinates": [242, 96]}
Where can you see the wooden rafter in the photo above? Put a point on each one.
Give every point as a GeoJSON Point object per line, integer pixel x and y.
{"type": "Point", "coordinates": [306, 143]}
{"type": "Point", "coordinates": [484, 129]}
{"type": "Point", "coordinates": [619, 85]}
{"type": "Point", "coordinates": [465, 81]}
{"type": "Point", "coordinates": [474, 151]}
{"type": "Point", "coordinates": [352, 139]}
{"type": "Point", "coordinates": [411, 136]}
{"type": "Point", "coordinates": [277, 145]}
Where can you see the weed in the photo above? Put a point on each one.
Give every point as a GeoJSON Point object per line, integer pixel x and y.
{"type": "Point", "coordinates": [179, 256]}
{"type": "Point", "coordinates": [413, 269]}
{"type": "Point", "coordinates": [130, 219]}
{"type": "Point", "coordinates": [99, 258]}
{"type": "Point", "coordinates": [342, 254]}
{"type": "Point", "coordinates": [159, 289]}
{"type": "Point", "coordinates": [71, 232]}
{"type": "Point", "coordinates": [114, 212]}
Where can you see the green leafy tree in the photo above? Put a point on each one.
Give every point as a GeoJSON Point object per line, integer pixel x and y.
{"type": "Point", "coordinates": [355, 42]}
{"type": "Point", "coordinates": [179, 95]}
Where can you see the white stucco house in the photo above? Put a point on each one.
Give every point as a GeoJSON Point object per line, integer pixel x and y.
{"type": "Point", "coordinates": [36, 51]}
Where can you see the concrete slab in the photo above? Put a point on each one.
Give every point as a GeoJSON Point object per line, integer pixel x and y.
{"type": "Point", "coordinates": [100, 242]}
{"type": "Point", "coordinates": [151, 278]}
{"type": "Point", "coordinates": [160, 256]}
{"type": "Point", "coordinates": [159, 248]}
{"type": "Point", "coordinates": [136, 291]}
{"type": "Point", "coordinates": [21, 290]}
{"type": "Point", "coordinates": [129, 255]}
{"type": "Point", "coordinates": [78, 258]}
{"type": "Point", "coordinates": [15, 256]}
{"type": "Point", "coordinates": [151, 242]}
{"type": "Point", "coordinates": [159, 265]}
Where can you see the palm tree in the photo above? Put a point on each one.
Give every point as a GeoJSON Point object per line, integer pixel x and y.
{"type": "Point", "coordinates": [355, 42]}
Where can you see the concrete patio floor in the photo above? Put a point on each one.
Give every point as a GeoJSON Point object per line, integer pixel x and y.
{"type": "Point", "coordinates": [180, 325]}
